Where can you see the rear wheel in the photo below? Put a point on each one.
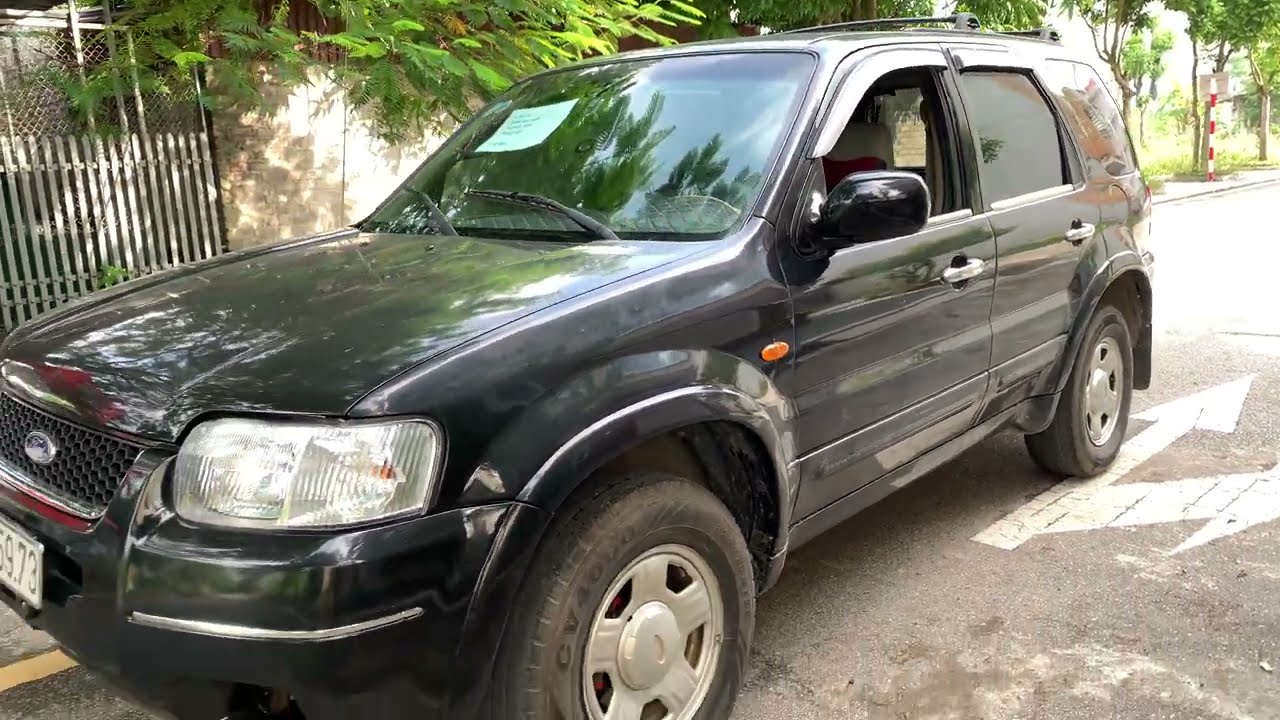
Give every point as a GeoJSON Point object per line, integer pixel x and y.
{"type": "Point", "coordinates": [639, 606]}
{"type": "Point", "coordinates": [1093, 412]}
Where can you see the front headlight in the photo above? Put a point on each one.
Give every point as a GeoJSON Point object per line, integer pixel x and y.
{"type": "Point", "coordinates": [286, 474]}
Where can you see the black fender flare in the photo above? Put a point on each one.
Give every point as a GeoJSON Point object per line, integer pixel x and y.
{"type": "Point", "coordinates": [693, 386]}
{"type": "Point", "coordinates": [665, 412]}
{"type": "Point", "coordinates": [1123, 264]}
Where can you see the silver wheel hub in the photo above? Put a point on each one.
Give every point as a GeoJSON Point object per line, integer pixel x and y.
{"type": "Point", "coordinates": [1102, 391]}
{"type": "Point", "coordinates": [650, 646]}
{"type": "Point", "coordinates": [655, 640]}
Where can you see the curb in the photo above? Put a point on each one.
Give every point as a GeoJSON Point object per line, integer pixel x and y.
{"type": "Point", "coordinates": [1216, 191]}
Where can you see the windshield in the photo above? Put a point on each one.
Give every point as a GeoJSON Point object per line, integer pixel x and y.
{"type": "Point", "coordinates": [671, 148]}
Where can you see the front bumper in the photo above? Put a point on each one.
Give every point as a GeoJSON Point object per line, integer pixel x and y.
{"type": "Point", "coordinates": [398, 620]}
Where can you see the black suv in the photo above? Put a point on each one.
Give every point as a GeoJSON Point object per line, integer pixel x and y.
{"type": "Point", "coordinates": [529, 441]}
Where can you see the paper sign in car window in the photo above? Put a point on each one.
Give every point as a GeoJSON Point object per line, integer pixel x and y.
{"type": "Point", "coordinates": [527, 127]}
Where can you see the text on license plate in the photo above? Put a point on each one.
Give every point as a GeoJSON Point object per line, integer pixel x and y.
{"type": "Point", "coordinates": [21, 566]}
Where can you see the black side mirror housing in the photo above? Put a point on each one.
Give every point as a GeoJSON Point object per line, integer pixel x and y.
{"type": "Point", "coordinates": [871, 206]}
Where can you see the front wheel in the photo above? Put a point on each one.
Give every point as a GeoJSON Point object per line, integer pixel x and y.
{"type": "Point", "coordinates": [1093, 412]}
{"type": "Point", "coordinates": [639, 606]}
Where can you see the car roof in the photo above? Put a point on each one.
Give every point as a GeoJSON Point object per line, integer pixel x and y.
{"type": "Point", "coordinates": [836, 42]}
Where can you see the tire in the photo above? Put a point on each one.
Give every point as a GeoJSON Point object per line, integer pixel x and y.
{"type": "Point", "coordinates": [1076, 443]}
{"type": "Point", "coordinates": [624, 531]}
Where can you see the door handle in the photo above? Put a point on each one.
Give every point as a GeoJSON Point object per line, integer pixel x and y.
{"type": "Point", "coordinates": [966, 272]}
{"type": "Point", "coordinates": [1079, 232]}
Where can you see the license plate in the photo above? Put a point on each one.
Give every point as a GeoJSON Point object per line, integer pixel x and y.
{"type": "Point", "coordinates": [21, 566]}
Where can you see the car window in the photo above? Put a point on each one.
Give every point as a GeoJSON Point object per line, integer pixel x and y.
{"type": "Point", "coordinates": [902, 123]}
{"type": "Point", "coordinates": [666, 149]}
{"type": "Point", "coordinates": [1093, 115]}
{"type": "Point", "coordinates": [1019, 147]}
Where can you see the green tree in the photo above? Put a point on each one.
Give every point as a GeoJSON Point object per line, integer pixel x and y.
{"type": "Point", "coordinates": [412, 64]}
{"type": "Point", "coordinates": [1143, 59]}
{"type": "Point", "coordinates": [1174, 112]}
{"type": "Point", "coordinates": [1264, 66]}
{"type": "Point", "coordinates": [788, 14]}
{"type": "Point", "coordinates": [1222, 28]}
{"type": "Point", "coordinates": [1112, 23]}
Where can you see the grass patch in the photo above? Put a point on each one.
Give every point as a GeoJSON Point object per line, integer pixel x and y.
{"type": "Point", "coordinates": [1169, 157]}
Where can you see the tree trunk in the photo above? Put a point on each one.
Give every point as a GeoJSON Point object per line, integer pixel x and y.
{"type": "Point", "coordinates": [1264, 125]}
{"type": "Point", "coordinates": [1197, 149]}
{"type": "Point", "coordinates": [1142, 128]}
{"type": "Point", "coordinates": [1126, 104]}
{"type": "Point", "coordinates": [1209, 119]}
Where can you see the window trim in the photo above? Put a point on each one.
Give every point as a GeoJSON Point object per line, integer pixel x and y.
{"type": "Point", "coordinates": [954, 216]}
{"type": "Point", "coordinates": [1032, 198]}
{"type": "Point", "coordinates": [971, 57]}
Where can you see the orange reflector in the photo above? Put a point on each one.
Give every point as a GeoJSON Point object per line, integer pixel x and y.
{"type": "Point", "coordinates": [775, 351]}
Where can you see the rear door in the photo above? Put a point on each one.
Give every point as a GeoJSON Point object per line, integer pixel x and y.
{"type": "Point", "coordinates": [1044, 216]}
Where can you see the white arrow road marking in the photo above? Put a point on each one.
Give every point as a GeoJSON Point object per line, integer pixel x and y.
{"type": "Point", "coordinates": [1217, 408]}
{"type": "Point", "coordinates": [1091, 503]}
{"type": "Point", "coordinates": [1231, 503]}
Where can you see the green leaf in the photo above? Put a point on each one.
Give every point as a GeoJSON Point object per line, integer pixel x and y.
{"type": "Point", "coordinates": [454, 65]}
{"type": "Point", "coordinates": [188, 58]}
{"type": "Point", "coordinates": [405, 25]}
{"type": "Point", "coordinates": [370, 50]}
{"type": "Point", "coordinates": [490, 77]}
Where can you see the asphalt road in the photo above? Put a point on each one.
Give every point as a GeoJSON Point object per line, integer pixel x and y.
{"type": "Point", "coordinates": [899, 614]}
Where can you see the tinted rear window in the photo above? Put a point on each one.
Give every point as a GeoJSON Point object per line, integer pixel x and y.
{"type": "Point", "coordinates": [1017, 135]}
{"type": "Point", "coordinates": [1094, 117]}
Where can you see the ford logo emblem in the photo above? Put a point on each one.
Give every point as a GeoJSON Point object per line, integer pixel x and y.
{"type": "Point", "coordinates": [40, 448]}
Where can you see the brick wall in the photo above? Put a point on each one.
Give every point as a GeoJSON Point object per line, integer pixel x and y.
{"type": "Point", "coordinates": [910, 141]}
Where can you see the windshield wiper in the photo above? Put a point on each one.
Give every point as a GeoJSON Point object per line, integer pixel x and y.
{"type": "Point", "coordinates": [579, 218]}
{"type": "Point", "coordinates": [434, 211]}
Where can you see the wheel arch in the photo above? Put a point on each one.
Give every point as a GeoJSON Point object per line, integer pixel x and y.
{"type": "Point", "coordinates": [700, 407]}
{"type": "Point", "coordinates": [714, 435]}
{"type": "Point", "coordinates": [1125, 282]}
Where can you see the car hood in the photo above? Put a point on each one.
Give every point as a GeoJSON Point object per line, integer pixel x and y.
{"type": "Point", "coordinates": [307, 327]}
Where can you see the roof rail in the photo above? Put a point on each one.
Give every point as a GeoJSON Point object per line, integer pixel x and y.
{"type": "Point", "coordinates": [1042, 33]}
{"type": "Point", "coordinates": [959, 21]}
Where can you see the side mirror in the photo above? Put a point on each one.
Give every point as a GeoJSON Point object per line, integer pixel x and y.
{"type": "Point", "coordinates": [869, 206]}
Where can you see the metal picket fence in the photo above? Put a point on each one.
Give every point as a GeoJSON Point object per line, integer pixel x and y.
{"type": "Point", "coordinates": [134, 192]}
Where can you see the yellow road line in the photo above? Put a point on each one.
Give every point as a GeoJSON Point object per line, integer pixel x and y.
{"type": "Point", "coordinates": [34, 668]}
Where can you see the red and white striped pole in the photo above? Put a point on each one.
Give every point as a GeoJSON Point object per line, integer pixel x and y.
{"type": "Point", "coordinates": [1213, 123]}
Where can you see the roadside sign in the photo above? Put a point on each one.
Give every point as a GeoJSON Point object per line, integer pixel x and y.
{"type": "Point", "coordinates": [1211, 83]}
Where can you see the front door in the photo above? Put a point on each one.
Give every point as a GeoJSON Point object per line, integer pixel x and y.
{"type": "Point", "coordinates": [894, 337]}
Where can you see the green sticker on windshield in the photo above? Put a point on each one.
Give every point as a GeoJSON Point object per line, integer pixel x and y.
{"type": "Point", "coordinates": [527, 127]}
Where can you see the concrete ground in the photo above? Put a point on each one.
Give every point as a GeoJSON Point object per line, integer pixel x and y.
{"type": "Point", "coordinates": [1095, 609]}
